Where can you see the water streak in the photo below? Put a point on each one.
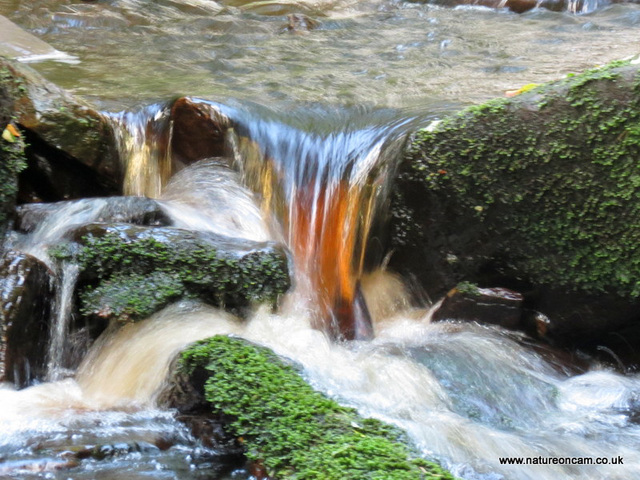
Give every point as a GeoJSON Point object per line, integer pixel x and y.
{"type": "Point", "coordinates": [144, 140]}
{"type": "Point", "coordinates": [59, 325]}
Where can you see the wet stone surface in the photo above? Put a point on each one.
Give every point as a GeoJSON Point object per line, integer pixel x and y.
{"type": "Point", "coordinates": [25, 303]}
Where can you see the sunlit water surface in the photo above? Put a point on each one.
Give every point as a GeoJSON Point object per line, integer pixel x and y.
{"type": "Point", "coordinates": [379, 52]}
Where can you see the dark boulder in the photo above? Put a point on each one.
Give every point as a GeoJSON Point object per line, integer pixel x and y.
{"type": "Point", "coordinates": [72, 147]}
{"type": "Point", "coordinates": [26, 291]}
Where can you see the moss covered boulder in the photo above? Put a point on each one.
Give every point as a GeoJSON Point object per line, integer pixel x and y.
{"type": "Point", "coordinates": [291, 430]}
{"type": "Point", "coordinates": [129, 272]}
{"type": "Point", "coordinates": [540, 193]}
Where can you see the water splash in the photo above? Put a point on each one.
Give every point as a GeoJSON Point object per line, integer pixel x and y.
{"type": "Point", "coordinates": [322, 178]}
{"type": "Point", "coordinates": [209, 195]}
{"type": "Point", "coordinates": [467, 395]}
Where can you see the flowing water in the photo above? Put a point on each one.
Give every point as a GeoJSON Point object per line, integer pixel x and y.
{"type": "Point", "coordinates": [315, 177]}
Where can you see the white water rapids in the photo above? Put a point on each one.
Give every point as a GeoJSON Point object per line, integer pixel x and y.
{"type": "Point", "coordinates": [467, 395]}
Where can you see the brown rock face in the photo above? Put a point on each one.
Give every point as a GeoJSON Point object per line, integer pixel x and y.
{"type": "Point", "coordinates": [198, 131]}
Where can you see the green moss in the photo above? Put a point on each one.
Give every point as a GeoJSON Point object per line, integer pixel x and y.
{"type": "Point", "coordinates": [131, 297]}
{"type": "Point", "coordinates": [468, 288]}
{"type": "Point", "coordinates": [553, 185]}
{"type": "Point", "coordinates": [295, 431]}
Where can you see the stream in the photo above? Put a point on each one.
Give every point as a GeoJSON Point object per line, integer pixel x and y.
{"type": "Point", "coordinates": [329, 105]}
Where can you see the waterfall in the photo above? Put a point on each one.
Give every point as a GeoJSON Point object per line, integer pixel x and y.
{"type": "Point", "coordinates": [144, 140]}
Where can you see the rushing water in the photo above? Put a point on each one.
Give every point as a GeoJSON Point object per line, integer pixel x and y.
{"type": "Point", "coordinates": [467, 395]}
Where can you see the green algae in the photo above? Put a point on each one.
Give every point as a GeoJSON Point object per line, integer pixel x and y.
{"type": "Point", "coordinates": [296, 432]}
{"type": "Point", "coordinates": [548, 181]}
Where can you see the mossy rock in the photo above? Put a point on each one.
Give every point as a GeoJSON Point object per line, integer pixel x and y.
{"type": "Point", "coordinates": [128, 271]}
{"type": "Point", "coordinates": [539, 191]}
{"type": "Point", "coordinates": [72, 146]}
{"type": "Point", "coordinates": [286, 426]}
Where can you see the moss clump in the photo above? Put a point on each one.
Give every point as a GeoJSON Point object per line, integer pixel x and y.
{"type": "Point", "coordinates": [128, 271]}
{"type": "Point", "coordinates": [211, 265]}
{"type": "Point", "coordinates": [295, 431]}
{"type": "Point", "coordinates": [469, 289]}
{"type": "Point", "coordinates": [131, 297]}
{"type": "Point", "coordinates": [543, 186]}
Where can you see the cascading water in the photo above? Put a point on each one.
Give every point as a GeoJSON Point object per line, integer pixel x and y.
{"type": "Point", "coordinates": [63, 306]}
{"type": "Point", "coordinates": [145, 146]}
{"type": "Point", "coordinates": [467, 395]}
{"type": "Point", "coordinates": [327, 186]}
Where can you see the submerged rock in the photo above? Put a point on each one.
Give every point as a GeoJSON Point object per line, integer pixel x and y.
{"type": "Point", "coordinates": [288, 429]}
{"type": "Point", "coordinates": [21, 45]}
{"type": "Point", "coordinates": [537, 193]}
{"type": "Point", "coordinates": [496, 306]}
{"type": "Point", "coordinates": [299, 23]}
{"type": "Point", "coordinates": [25, 305]}
{"type": "Point", "coordinates": [130, 271]}
{"type": "Point", "coordinates": [134, 210]}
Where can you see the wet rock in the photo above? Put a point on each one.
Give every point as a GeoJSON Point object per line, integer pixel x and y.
{"type": "Point", "coordinates": [299, 23]}
{"type": "Point", "coordinates": [134, 210]}
{"type": "Point", "coordinates": [482, 196]}
{"type": "Point", "coordinates": [185, 393]}
{"type": "Point", "coordinates": [102, 452]}
{"type": "Point", "coordinates": [198, 130]}
{"type": "Point", "coordinates": [25, 295]}
{"type": "Point", "coordinates": [469, 303]}
{"type": "Point", "coordinates": [131, 297]}
{"type": "Point", "coordinates": [68, 138]}
{"type": "Point", "coordinates": [12, 162]}
{"type": "Point", "coordinates": [210, 431]}
{"type": "Point", "coordinates": [134, 270]}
